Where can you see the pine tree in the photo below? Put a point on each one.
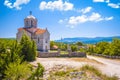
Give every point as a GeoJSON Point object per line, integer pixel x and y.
{"type": "Point", "coordinates": [28, 48]}
{"type": "Point", "coordinates": [17, 71]}
{"type": "Point", "coordinates": [34, 48]}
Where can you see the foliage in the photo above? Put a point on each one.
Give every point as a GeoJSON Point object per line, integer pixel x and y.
{"type": "Point", "coordinates": [61, 73]}
{"type": "Point", "coordinates": [101, 46]}
{"type": "Point", "coordinates": [106, 48]}
{"type": "Point", "coordinates": [37, 73]}
{"type": "Point", "coordinates": [79, 43]}
{"type": "Point", "coordinates": [74, 48]}
{"type": "Point", "coordinates": [28, 48]}
{"type": "Point", "coordinates": [12, 65]}
{"type": "Point", "coordinates": [17, 71]}
{"type": "Point", "coordinates": [82, 50]}
{"type": "Point", "coordinates": [9, 56]}
{"type": "Point", "coordinates": [115, 47]}
{"type": "Point", "coordinates": [52, 43]}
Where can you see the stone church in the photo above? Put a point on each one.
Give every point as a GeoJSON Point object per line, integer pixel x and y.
{"type": "Point", "coordinates": [40, 36]}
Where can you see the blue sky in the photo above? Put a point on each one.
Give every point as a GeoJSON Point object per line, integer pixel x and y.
{"type": "Point", "coordinates": [63, 18]}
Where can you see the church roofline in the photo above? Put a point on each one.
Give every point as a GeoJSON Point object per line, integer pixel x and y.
{"type": "Point", "coordinates": [33, 30]}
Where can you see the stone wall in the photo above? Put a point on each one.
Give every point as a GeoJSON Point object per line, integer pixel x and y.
{"type": "Point", "coordinates": [57, 54]}
{"type": "Point", "coordinates": [107, 56]}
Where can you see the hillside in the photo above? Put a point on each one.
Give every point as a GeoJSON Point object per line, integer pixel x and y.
{"type": "Point", "coordinates": [87, 40]}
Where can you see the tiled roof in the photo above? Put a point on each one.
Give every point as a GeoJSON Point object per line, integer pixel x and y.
{"type": "Point", "coordinates": [20, 29]}
{"type": "Point", "coordinates": [40, 31]}
{"type": "Point", "coordinates": [33, 30]}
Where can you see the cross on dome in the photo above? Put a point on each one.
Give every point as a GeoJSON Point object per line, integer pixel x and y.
{"type": "Point", "coordinates": [30, 12]}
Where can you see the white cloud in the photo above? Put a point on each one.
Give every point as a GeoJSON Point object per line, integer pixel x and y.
{"type": "Point", "coordinates": [16, 4]}
{"type": "Point", "coordinates": [109, 18]}
{"type": "Point", "coordinates": [76, 20]}
{"type": "Point", "coordinates": [107, 1]}
{"type": "Point", "coordinates": [86, 10]}
{"type": "Point", "coordinates": [94, 17]}
{"type": "Point", "coordinates": [8, 4]}
{"type": "Point", "coordinates": [56, 5]}
{"type": "Point", "coordinates": [60, 21]}
{"type": "Point", "coordinates": [114, 5]}
{"type": "Point", "coordinates": [98, 0]}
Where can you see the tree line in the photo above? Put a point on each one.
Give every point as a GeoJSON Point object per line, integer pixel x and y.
{"type": "Point", "coordinates": [64, 46]}
{"type": "Point", "coordinates": [106, 48]}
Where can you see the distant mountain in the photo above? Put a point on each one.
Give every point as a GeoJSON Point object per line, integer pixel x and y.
{"type": "Point", "coordinates": [87, 40]}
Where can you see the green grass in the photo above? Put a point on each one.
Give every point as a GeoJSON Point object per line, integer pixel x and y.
{"type": "Point", "coordinates": [61, 73]}
{"type": "Point", "coordinates": [63, 52]}
{"type": "Point", "coordinates": [53, 51]}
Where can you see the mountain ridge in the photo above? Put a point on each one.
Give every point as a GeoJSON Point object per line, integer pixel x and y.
{"type": "Point", "coordinates": [87, 40]}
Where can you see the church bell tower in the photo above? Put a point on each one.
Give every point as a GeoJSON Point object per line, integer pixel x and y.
{"type": "Point", "coordinates": [30, 21]}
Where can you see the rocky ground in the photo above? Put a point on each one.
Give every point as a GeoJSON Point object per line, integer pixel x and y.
{"type": "Point", "coordinates": [54, 64]}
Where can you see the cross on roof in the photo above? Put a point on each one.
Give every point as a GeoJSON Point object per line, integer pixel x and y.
{"type": "Point", "coordinates": [30, 12]}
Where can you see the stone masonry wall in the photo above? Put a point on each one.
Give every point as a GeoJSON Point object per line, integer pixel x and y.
{"type": "Point", "coordinates": [57, 54]}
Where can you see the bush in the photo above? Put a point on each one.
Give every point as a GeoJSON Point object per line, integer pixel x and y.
{"type": "Point", "coordinates": [38, 73]}
{"type": "Point", "coordinates": [74, 48]}
{"type": "Point", "coordinates": [17, 71]}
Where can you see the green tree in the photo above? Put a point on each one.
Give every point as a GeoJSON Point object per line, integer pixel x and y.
{"type": "Point", "coordinates": [107, 49]}
{"type": "Point", "coordinates": [52, 43]}
{"type": "Point", "coordinates": [64, 47]}
{"type": "Point", "coordinates": [115, 47]}
{"type": "Point", "coordinates": [2, 47]}
{"type": "Point", "coordinates": [28, 48]}
{"type": "Point", "coordinates": [17, 71]}
{"type": "Point", "coordinates": [38, 73]}
{"type": "Point", "coordinates": [74, 48]}
{"type": "Point", "coordinates": [91, 49]}
{"type": "Point", "coordinates": [100, 47]}
{"type": "Point", "coordinates": [79, 43]}
{"type": "Point", "coordinates": [8, 57]}
{"type": "Point", "coordinates": [33, 52]}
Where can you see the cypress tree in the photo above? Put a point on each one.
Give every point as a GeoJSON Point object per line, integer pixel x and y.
{"type": "Point", "coordinates": [28, 48]}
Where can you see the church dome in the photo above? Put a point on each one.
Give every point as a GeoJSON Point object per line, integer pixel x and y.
{"type": "Point", "coordinates": [31, 16]}
{"type": "Point", "coordinates": [30, 21]}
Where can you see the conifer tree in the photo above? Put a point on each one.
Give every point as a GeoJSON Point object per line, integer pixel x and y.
{"type": "Point", "coordinates": [34, 48]}
{"type": "Point", "coordinates": [28, 48]}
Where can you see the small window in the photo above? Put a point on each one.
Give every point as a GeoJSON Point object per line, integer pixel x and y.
{"type": "Point", "coordinates": [46, 41]}
{"type": "Point", "coordinates": [26, 23]}
{"type": "Point", "coordinates": [38, 40]}
{"type": "Point", "coordinates": [31, 23]}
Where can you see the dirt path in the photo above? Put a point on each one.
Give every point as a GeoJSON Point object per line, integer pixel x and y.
{"type": "Point", "coordinates": [51, 62]}
{"type": "Point", "coordinates": [112, 67]}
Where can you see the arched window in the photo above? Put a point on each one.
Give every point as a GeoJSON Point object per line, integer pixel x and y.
{"type": "Point", "coordinates": [27, 23]}
{"type": "Point", "coordinates": [46, 41]}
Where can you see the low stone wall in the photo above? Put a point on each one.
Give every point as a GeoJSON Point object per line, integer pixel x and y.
{"type": "Point", "coordinates": [77, 54]}
{"type": "Point", "coordinates": [107, 56]}
{"type": "Point", "coordinates": [48, 54]}
{"type": "Point", "coordinates": [57, 54]}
